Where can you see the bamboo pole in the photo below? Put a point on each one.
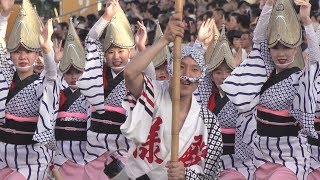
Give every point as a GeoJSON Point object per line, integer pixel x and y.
{"type": "Point", "coordinates": [176, 89]}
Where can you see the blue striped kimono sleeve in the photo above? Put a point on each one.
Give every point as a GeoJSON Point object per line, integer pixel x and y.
{"type": "Point", "coordinates": [91, 81]}
{"type": "Point", "coordinates": [48, 104]}
{"type": "Point", "coordinates": [244, 84]}
{"type": "Point", "coordinates": [303, 107]}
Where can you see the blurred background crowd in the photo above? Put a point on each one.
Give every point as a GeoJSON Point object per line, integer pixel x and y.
{"type": "Point", "coordinates": [238, 16]}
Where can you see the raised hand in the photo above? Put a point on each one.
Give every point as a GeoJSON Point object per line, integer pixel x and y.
{"type": "Point", "coordinates": [174, 28]}
{"type": "Point", "coordinates": [7, 6]}
{"type": "Point", "coordinates": [141, 36]}
{"type": "Point", "coordinates": [58, 51]}
{"type": "Point", "coordinates": [305, 8]}
{"type": "Point", "coordinates": [206, 30]}
{"type": "Point", "coordinates": [111, 8]}
{"type": "Point", "coordinates": [45, 37]}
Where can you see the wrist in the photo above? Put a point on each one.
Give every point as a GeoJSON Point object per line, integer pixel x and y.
{"type": "Point", "coordinates": [306, 21]}
{"type": "Point", "coordinates": [140, 47]}
{"type": "Point", "coordinates": [164, 40]}
{"type": "Point", "coordinates": [107, 17]}
{"type": "Point", "coordinates": [46, 50]}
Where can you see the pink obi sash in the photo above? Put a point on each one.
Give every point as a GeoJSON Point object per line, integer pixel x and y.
{"type": "Point", "coordinates": [228, 130]}
{"type": "Point", "coordinates": [21, 119]}
{"type": "Point", "coordinates": [284, 113]}
{"type": "Point", "coordinates": [64, 114]}
{"type": "Point", "coordinates": [120, 110]}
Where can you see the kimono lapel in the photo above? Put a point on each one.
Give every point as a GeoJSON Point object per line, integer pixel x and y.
{"type": "Point", "coordinates": [111, 82]}
{"type": "Point", "coordinates": [275, 78]}
{"type": "Point", "coordinates": [71, 97]}
{"type": "Point", "coordinates": [17, 85]}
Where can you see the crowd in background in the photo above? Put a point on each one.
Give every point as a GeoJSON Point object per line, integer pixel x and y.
{"type": "Point", "coordinates": [238, 16]}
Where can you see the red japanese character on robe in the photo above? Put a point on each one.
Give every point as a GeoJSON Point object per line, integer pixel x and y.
{"type": "Point", "coordinates": [151, 148]}
{"type": "Point", "coordinates": [195, 152]}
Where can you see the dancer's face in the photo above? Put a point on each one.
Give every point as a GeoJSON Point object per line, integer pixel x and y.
{"type": "Point", "coordinates": [190, 68]}
{"type": "Point", "coordinates": [117, 58]}
{"type": "Point", "coordinates": [282, 56]}
{"type": "Point", "coordinates": [220, 74]}
{"type": "Point", "coordinates": [162, 72]}
{"type": "Point", "coordinates": [24, 59]}
{"type": "Point", "coordinates": [72, 76]}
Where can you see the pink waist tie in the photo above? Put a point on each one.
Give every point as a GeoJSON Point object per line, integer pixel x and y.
{"type": "Point", "coordinates": [21, 119]}
{"type": "Point", "coordinates": [228, 130]}
{"type": "Point", "coordinates": [284, 113]}
{"type": "Point", "coordinates": [317, 120]}
{"type": "Point", "coordinates": [64, 114]}
{"type": "Point", "coordinates": [120, 110]}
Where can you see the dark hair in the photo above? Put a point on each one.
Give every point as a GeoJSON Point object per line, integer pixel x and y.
{"type": "Point", "coordinates": [233, 34]}
{"type": "Point", "coordinates": [64, 25]}
{"type": "Point", "coordinates": [236, 15]}
{"type": "Point", "coordinates": [255, 12]}
{"type": "Point", "coordinates": [189, 7]}
{"type": "Point", "coordinates": [213, 4]}
{"type": "Point", "coordinates": [83, 34]}
{"type": "Point", "coordinates": [151, 36]}
{"type": "Point", "coordinates": [154, 11]}
{"type": "Point", "coordinates": [220, 11]}
{"type": "Point", "coordinates": [92, 19]}
{"type": "Point", "coordinates": [186, 36]}
{"type": "Point", "coordinates": [81, 19]}
{"type": "Point", "coordinates": [243, 2]}
{"type": "Point", "coordinates": [244, 21]}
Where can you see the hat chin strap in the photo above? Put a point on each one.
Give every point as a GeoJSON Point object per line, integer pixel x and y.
{"type": "Point", "coordinates": [119, 69]}
{"type": "Point", "coordinates": [25, 67]}
{"type": "Point", "coordinates": [285, 65]}
{"type": "Point", "coordinates": [74, 87]}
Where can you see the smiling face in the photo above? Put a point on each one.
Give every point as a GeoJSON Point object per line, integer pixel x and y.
{"type": "Point", "coordinates": [190, 68]}
{"type": "Point", "coordinates": [24, 59]}
{"type": "Point", "coordinates": [282, 56]}
{"type": "Point", "coordinates": [72, 76]}
{"type": "Point", "coordinates": [162, 72]}
{"type": "Point", "coordinates": [220, 74]}
{"type": "Point", "coordinates": [117, 58]}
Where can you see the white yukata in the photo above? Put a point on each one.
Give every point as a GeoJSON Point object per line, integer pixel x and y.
{"type": "Point", "coordinates": [105, 90]}
{"type": "Point", "coordinates": [260, 94]}
{"type": "Point", "coordinates": [71, 128]}
{"type": "Point", "coordinates": [237, 155]}
{"type": "Point", "coordinates": [315, 89]}
{"type": "Point", "coordinates": [148, 125]}
{"type": "Point", "coordinates": [27, 114]}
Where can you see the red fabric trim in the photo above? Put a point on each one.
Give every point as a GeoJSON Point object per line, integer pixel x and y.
{"type": "Point", "coordinates": [212, 101]}
{"type": "Point", "coordinates": [12, 85]}
{"type": "Point", "coordinates": [104, 76]}
{"type": "Point", "coordinates": [63, 98]}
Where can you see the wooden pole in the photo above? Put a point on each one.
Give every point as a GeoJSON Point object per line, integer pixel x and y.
{"type": "Point", "coordinates": [176, 89]}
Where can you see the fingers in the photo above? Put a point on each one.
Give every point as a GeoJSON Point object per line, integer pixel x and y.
{"type": "Point", "coordinates": [175, 170]}
{"type": "Point", "coordinates": [302, 2]}
{"type": "Point", "coordinates": [141, 26]}
{"type": "Point", "coordinates": [60, 45]}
